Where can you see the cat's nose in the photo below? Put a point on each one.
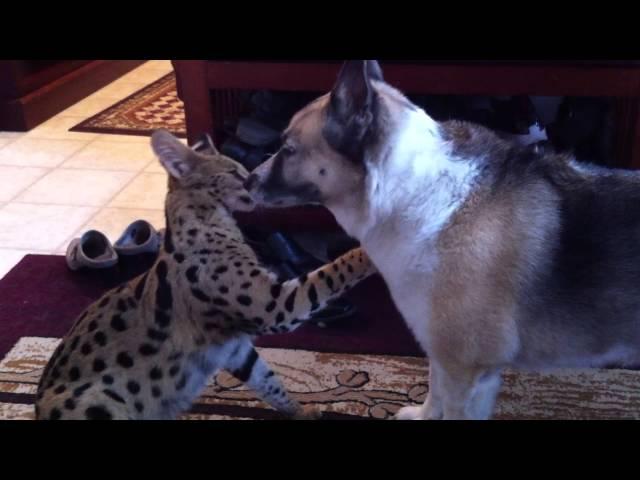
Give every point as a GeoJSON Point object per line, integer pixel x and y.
{"type": "Point", "coordinates": [251, 182]}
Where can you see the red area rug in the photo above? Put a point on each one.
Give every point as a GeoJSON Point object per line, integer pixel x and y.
{"type": "Point", "coordinates": [155, 106]}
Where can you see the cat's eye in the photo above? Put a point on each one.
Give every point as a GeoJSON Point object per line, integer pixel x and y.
{"type": "Point", "coordinates": [237, 175]}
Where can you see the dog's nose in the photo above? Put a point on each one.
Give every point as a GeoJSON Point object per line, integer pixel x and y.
{"type": "Point", "coordinates": [251, 181]}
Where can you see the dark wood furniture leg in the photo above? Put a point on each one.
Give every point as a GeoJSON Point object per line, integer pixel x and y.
{"type": "Point", "coordinates": [633, 140]}
{"type": "Point", "coordinates": [196, 95]}
{"type": "Point", "coordinates": [635, 152]}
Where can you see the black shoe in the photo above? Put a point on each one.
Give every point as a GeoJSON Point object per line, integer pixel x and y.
{"type": "Point", "coordinates": [275, 109]}
{"type": "Point", "coordinates": [250, 157]}
{"type": "Point", "coordinates": [289, 251]}
{"type": "Point", "coordinates": [340, 309]}
{"type": "Point", "coordinates": [255, 133]}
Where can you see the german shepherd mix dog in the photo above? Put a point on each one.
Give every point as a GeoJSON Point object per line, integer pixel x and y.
{"type": "Point", "coordinates": [496, 255]}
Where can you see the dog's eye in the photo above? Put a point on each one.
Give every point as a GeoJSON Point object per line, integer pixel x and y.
{"type": "Point", "coordinates": [288, 149]}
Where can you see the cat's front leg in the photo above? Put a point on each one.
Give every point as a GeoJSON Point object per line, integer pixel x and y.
{"type": "Point", "coordinates": [246, 365]}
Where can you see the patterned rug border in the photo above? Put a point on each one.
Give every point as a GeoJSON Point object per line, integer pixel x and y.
{"type": "Point", "coordinates": [235, 412]}
{"type": "Point", "coordinates": [84, 126]}
{"type": "Point", "coordinates": [357, 387]}
{"type": "Point", "coordinates": [227, 398]}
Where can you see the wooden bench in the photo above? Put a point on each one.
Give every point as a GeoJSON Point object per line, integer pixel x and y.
{"type": "Point", "coordinates": [208, 89]}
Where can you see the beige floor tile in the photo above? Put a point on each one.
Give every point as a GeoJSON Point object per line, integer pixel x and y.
{"type": "Point", "coordinates": [58, 128]}
{"type": "Point", "coordinates": [119, 90]}
{"type": "Point", "coordinates": [164, 65]}
{"type": "Point", "coordinates": [91, 188]}
{"type": "Point", "coordinates": [89, 106]}
{"type": "Point", "coordinates": [15, 179]}
{"type": "Point", "coordinates": [9, 259]}
{"type": "Point", "coordinates": [39, 152]}
{"type": "Point", "coordinates": [110, 155]}
{"type": "Point", "coordinates": [113, 221]}
{"type": "Point", "coordinates": [143, 75]}
{"type": "Point", "coordinates": [147, 190]}
{"type": "Point", "coordinates": [154, 167]}
{"type": "Point", "coordinates": [5, 141]}
{"type": "Point", "coordinates": [39, 227]}
{"type": "Point", "coordinates": [121, 83]}
{"type": "Point", "coordinates": [11, 135]}
{"type": "Point", "coordinates": [144, 139]}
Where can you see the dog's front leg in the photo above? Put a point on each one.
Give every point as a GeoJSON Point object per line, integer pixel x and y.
{"type": "Point", "coordinates": [431, 409]}
{"type": "Point", "coordinates": [433, 402]}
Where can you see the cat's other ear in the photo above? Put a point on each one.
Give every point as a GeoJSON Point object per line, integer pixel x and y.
{"type": "Point", "coordinates": [176, 158]}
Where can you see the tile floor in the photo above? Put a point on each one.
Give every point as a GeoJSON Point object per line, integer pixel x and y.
{"type": "Point", "coordinates": [55, 184]}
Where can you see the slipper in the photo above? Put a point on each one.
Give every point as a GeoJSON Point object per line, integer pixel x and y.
{"type": "Point", "coordinates": [92, 250]}
{"type": "Point", "coordinates": [254, 133]}
{"type": "Point", "coordinates": [250, 157]}
{"type": "Point", "coordinates": [139, 237]}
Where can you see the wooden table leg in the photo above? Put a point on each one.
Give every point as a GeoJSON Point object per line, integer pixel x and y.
{"type": "Point", "coordinates": [634, 140]}
{"type": "Point", "coordinates": [196, 97]}
{"type": "Point", "coordinates": [626, 136]}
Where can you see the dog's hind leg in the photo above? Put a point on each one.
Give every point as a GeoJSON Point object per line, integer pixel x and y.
{"type": "Point", "coordinates": [484, 397]}
{"type": "Point", "coordinates": [468, 393]}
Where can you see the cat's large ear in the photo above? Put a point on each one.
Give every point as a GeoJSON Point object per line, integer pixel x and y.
{"type": "Point", "coordinates": [177, 159]}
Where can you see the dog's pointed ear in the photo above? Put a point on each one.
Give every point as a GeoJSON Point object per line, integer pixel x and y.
{"type": "Point", "coordinates": [351, 106]}
{"type": "Point", "coordinates": [352, 92]}
{"type": "Point", "coordinates": [374, 71]}
{"type": "Point", "coordinates": [175, 157]}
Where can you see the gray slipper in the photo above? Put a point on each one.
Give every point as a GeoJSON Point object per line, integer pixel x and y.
{"type": "Point", "coordinates": [139, 237]}
{"type": "Point", "coordinates": [92, 250]}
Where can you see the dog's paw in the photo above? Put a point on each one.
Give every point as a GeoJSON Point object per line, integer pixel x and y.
{"type": "Point", "coordinates": [307, 413]}
{"type": "Point", "coordinates": [410, 413]}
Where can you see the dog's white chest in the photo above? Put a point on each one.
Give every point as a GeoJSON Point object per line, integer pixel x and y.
{"type": "Point", "coordinates": [411, 195]}
{"type": "Point", "coordinates": [407, 269]}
